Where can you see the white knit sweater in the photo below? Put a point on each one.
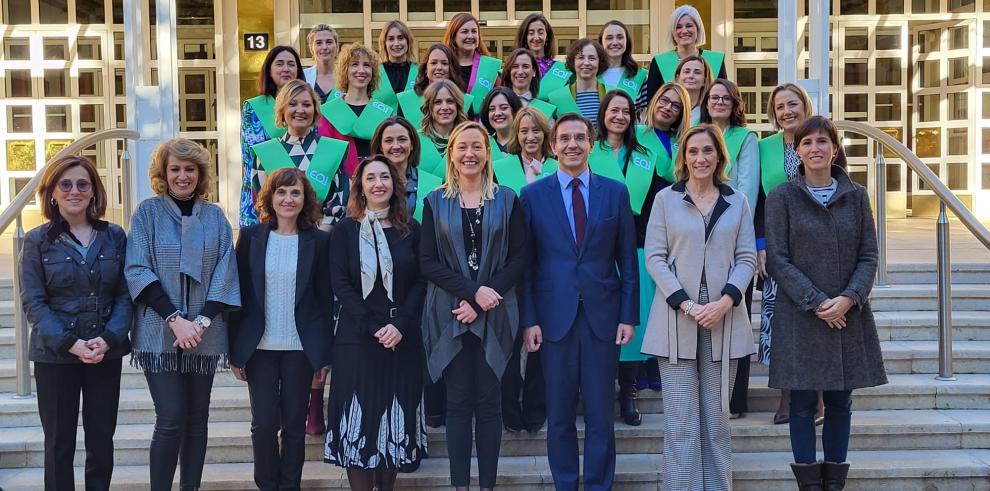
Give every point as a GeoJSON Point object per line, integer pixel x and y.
{"type": "Point", "coordinates": [280, 294]}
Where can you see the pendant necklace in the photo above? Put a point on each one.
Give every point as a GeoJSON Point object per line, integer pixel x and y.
{"type": "Point", "coordinates": [473, 262]}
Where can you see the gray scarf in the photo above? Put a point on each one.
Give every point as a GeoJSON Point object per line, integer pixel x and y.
{"type": "Point", "coordinates": [373, 256]}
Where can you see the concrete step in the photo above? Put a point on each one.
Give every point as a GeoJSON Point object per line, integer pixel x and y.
{"type": "Point", "coordinates": [926, 273]}
{"type": "Point", "coordinates": [230, 442]}
{"type": "Point", "coordinates": [905, 391]}
{"type": "Point", "coordinates": [897, 298]}
{"type": "Point", "coordinates": [951, 470]}
{"type": "Point", "coordinates": [922, 357]}
{"type": "Point", "coordinates": [921, 325]}
{"type": "Point", "coordinates": [131, 377]}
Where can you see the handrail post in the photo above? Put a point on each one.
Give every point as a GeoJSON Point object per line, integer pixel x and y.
{"type": "Point", "coordinates": [944, 298]}
{"type": "Point", "coordinates": [20, 323]}
{"type": "Point", "coordinates": [880, 177]}
{"type": "Point", "coordinates": [125, 188]}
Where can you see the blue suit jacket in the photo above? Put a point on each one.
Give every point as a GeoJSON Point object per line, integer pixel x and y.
{"type": "Point", "coordinates": [603, 271]}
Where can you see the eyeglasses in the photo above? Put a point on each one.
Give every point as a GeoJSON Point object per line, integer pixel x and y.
{"type": "Point", "coordinates": [665, 102]}
{"type": "Point", "coordinates": [82, 185]}
{"type": "Point", "coordinates": [721, 99]}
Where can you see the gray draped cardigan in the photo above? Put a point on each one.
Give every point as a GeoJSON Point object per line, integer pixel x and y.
{"type": "Point", "coordinates": [495, 328]}
{"type": "Point", "coordinates": [193, 259]}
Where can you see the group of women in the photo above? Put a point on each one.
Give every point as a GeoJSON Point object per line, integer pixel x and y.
{"type": "Point", "coordinates": [381, 235]}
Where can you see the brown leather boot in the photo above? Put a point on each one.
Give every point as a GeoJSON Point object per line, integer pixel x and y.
{"type": "Point", "coordinates": [809, 476]}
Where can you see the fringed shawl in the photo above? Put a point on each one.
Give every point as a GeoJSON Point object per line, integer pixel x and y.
{"type": "Point", "coordinates": [193, 259]}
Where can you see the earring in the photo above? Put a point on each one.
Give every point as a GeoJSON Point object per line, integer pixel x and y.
{"type": "Point", "coordinates": [55, 204]}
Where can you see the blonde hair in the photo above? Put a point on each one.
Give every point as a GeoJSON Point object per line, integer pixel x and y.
{"type": "Point", "coordinates": [311, 37]}
{"type": "Point", "coordinates": [187, 151]}
{"type": "Point", "coordinates": [430, 94]}
{"type": "Point", "coordinates": [514, 146]}
{"type": "Point", "coordinates": [680, 167]}
{"type": "Point", "coordinates": [451, 187]}
{"type": "Point", "coordinates": [288, 92]}
{"type": "Point", "coordinates": [796, 89]}
{"type": "Point", "coordinates": [410, 41]}
{"type": "Point", "coordinates": [346, 56]}
{"type": "Point", "coordinates": [651, 109]}
{"type": "Point", "coordinates": [695, 16]}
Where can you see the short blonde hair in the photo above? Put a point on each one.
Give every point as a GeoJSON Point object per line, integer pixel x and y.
{"type": "Point", "coordinates": [431, 93]}
{"type": "Point", "coordinates": [514, 145]}
{"type": "Point", "coordinates": [346, 56]}
{"type": "Point", "coordinates": [410, 41]}
{"type": "Point", "coordinates": [695, 16]}
{"type": "Point", "coordinates": [288, 92]}
{"type": "Point", "coordinates": [680, 167]}
{"type": "Point", "coordinates": [651, 109]}
{"type": "Point", "coordinates": [796, 89]}
{"type": "Point", "coordinates": [311, 37]}
{"type": "Point", "coordinates": [187, 151]}
{"type": "Point", "coordinates": [451, 187]}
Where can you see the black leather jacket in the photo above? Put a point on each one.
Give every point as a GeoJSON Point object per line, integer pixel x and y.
{"type": "Point", "coordinates": [68, 297]}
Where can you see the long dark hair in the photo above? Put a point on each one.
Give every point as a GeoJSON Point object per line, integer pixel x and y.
{"type": "Point", "coordinates": [265, 84]}
{"type": "Point", "coordinates": [398, 213]}
{"type": "Point", "coordinates": [506, 79]}
{"type": "Point", "coordinates": [549, 46]}
{"type": "Point", "coordinates": [422, 81]}
{"type": "Point", "coordinates": [629, 140]}
{"type": "Point", "coordinates": [825, 125]}
{"type": "Point", "coordinates": [376, 140]}
{"type": "Point", "coordinates": [628, 63]}
{"type": "Point", "coordinates": [514, 102]}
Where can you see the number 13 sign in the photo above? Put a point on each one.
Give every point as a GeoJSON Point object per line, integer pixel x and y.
{"type": "Point", "coordinates": [256, 41]}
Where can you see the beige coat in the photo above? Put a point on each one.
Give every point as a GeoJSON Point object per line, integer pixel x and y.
{"type": "Point", "coordinates": [676, 253]}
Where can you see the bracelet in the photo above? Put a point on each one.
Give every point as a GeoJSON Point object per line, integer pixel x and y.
{"type": "Point", "coordinates": [173, 316]}
{"type": "Point", "coordinates": [690, 306]}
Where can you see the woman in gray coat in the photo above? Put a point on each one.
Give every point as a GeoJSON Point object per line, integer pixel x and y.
{"type": "Point", "coordinates": [701, 252]}
{"type": "Point", "coordinates": [822, 250]}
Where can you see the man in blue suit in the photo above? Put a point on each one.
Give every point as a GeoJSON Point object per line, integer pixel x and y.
{"type": "Point", "coordinates": [579, 301]}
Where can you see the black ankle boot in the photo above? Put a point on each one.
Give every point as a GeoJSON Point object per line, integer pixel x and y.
{"type": "Point", "coordinates": [809, 476]}
{"type": "Point", "coordinates": [834, 476]}
{"type": "Point", "coordinates": [627, 409]}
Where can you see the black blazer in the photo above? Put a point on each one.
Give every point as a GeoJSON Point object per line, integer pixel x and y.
{"type": "Point", "coordinates": [314, 296]}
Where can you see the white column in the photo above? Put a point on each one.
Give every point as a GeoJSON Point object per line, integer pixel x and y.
{"type": "Point", "coordinates": [151, 110]}
{"type": "Point", "coordinates": [818, 72]}
{"type": "Point", "coordinates": [787, 41]}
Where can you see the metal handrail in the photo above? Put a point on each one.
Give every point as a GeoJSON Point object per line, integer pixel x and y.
{"type": "Point", "coordinates": [21, 200]}
{"type": "Point", "coordinates": [13, 215]}
{"type": "Point", "coordinates": [946, 199]}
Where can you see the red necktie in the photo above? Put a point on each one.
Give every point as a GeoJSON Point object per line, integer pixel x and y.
{"type": "Point", "coordinates": [580, 215]}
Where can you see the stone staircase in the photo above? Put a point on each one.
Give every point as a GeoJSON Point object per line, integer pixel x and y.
{"type": "Point", "coordinates": [916, 433]}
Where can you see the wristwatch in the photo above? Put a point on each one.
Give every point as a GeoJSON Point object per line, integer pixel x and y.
{"type": "Point", "coordinates": [202, 321]}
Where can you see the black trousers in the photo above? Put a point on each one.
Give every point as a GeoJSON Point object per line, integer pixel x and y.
{"type": "Point", "coordinates": [278, 382]}
{"type": "Point", "coordinates": [473, 392]}
{"type": "Point", "coordinates": [531, 409]}
{"type": "Point", "coordinates": [59, 386]}
{"type": "Point", "coordinates": [182, 415]}
{"type": "Point", "coordinates": [739, 402]}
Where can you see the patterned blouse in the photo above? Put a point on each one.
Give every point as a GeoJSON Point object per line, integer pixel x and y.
{"type": "Point", "coordinates": [252, 133]}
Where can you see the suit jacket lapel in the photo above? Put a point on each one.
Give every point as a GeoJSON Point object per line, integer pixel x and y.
{"type": "Point", "coordinates": [558, 209]}
{"type": "Point", "coordinates": [594, 207]}
{"type": "Point", "coordinates": [259, 247]}
{"type": "Point", "coordinates": [304, 264]}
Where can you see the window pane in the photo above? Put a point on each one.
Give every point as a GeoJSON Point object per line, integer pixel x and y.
{"type": "Point", "coordinates": [986, 176]}
{"type": "Point", "coordinates": [90, 82]}
{"type": "Point", "coordinates": [927, 142]}
{"type": "Point", "coordinates": [985, 142]}
{"type": "Point", "coordinates": [15, 12]}
{"type": "Point", "coordinates": [53, 11]}
{"type": "Point", "coordinates": [958, 141]}
{"type": "Point", "coordinates": [893, 172]}
{"type": "Point", "coordinates": [117, 11]}
{"type": "Point", "coordinates": [986, 105]}
{"type": "Point", "coordinates": [962, 6]}
{"type": "Point", "coordinates": [888, 71]}
{"type": "Point", "coordinates": [958, 108]}
{"type": "Point", "coordinates": [768, 77]}
{"type": "Point", "coordinates": [986, 70]}
{"type": "Point", "coordinates": [855, 106]}
{"type": "Point", "coordinates": [746, 77]}
{"type": "Point", "coordinates": [924, 6]}
{"type": "Point", "coordinates": [958, 71]}
{"type": "Point", "coordinates": [57, 118]}
{"type": "Point", "coordinates": [90, 117]}
{"type": "Point", "coordinates": [19, 83]}
{"type": "Point", "coordinates": [745, 44]}
{"type": "Point", "coordinates": [53, 147]}
{"type": "Point", "coordinates": [857, 39]}
{"type": "Point", "coordinates": [888, 107]}
{"type": "Point", "coordinates": [958, 176]}
{"type": "Point", "coordinates": [755, 9]}
{"type": "Point", "coordinates": [89, 49]}
{"type": "Point", "coordinates": [928, 108]}
{"type": "Point", "coordinates": [17, 48]}
{"type": "Point", "coordinates": [381, 6]}
{"type": "Point", "coordinates": [18, 183]}
{"type": "Point", "coordinates": [885, 7]}
{"type": "Point", "coordinates": [853, 7]}
{"type": "Point", "coordinates": [855, 73]}
{"type": "Point", "coordinates": [959, 37]}
{"type": "Point", "coordinates": [56, 49]}
{"type": "Point", "coordinates": [19, 119]}
{"type": "Point", "coordinates": [56, 82]}
{"type": "Point", "coordinates": [888, 38]}
{"type": "Point", "coordinates": [20, 155]}
{"type": "Point", "coordinates": [929, 73]}
{"type": "Point", "coordinates": [986, 29]}
{"type": "Point", "coordinates": [928, 41]}
{"type": "Point", "coordinates": [90, 12]}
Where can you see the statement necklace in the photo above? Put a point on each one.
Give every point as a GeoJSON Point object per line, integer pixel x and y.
{"type": "Point", "coordinates": [473, 262]}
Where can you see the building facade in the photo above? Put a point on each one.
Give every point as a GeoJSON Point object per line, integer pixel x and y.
{"type": "Point", "coordinates": [918, 69]}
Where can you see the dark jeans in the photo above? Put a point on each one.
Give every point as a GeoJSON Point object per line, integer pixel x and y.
{"type": "Point", "coordinates": [278, 382]}
{"type": "Point", "coordinates": [835, 432]}
{"type": "Point", "coordinates": [473, 392]}
{"type": "Point", "coordinates": [182, 414]}
{"type": "Point", "coordinates": [59, 386]}
{"type": "Point", "coordinates": [530, 410]}
{"type": "Point", "coordinates": [739, 402]}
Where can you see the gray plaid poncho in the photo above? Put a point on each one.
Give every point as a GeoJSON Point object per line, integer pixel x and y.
{"type": "Point", "coordinates": [193, 258]}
